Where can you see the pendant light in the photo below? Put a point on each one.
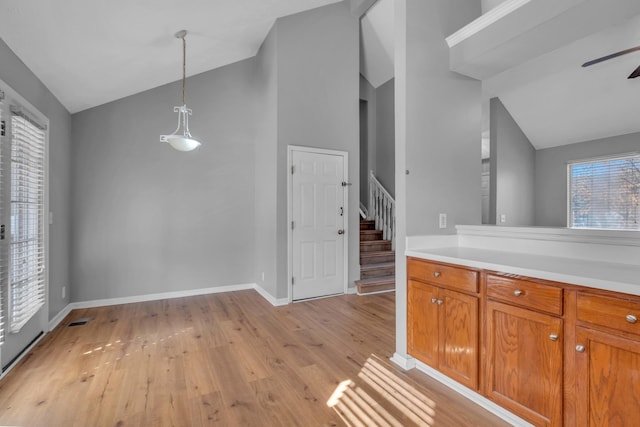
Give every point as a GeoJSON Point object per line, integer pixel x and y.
{"type": "Point", "coordinates": [181, 138]}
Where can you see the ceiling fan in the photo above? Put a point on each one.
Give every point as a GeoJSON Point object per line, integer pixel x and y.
{"type": "Point", "coordinates": [636, 72]}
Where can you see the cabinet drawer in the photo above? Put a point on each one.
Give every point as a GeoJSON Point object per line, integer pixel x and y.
{"type": "Point", "coordinates": [616, 313]}
{"type": "Point", "coordinates": [443, 275]}
{"type": "Point", "coordinates": [525, 293]}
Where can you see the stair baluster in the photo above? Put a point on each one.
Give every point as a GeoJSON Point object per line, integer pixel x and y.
{"type": "Point", "coordinates": [382, 209]}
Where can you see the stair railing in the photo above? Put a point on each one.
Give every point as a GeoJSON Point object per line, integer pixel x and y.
{"type": "Point", "coordinates": [382, 209]}
{"type": "Point", "coordinates": [364, 213]}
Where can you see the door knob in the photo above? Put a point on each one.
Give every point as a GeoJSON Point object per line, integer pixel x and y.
{"type": "Point", "coordinates": [580, 348]}
{"type": "Point", "coordinates": [341, 231]}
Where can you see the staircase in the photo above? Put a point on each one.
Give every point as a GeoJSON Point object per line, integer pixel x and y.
{"type": "Point", "coordinates": [377, 261]}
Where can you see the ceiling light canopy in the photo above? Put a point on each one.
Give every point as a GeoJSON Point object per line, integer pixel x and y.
{"type": "Point", "coordinates": [181, 138]}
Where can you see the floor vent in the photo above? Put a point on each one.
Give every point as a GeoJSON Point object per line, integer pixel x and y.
{"type": "Point", "coordinates": [80, 322]}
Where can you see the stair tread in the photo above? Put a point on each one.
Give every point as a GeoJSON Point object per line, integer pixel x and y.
{"type": "Point", "coordinates": [375, 242]}
{"type": "Point", "coordinates": [377, 280]}
{"type": "Point", "coordinates": [377, 253]}
{"type": "Point", "coordinates": [379, 265]}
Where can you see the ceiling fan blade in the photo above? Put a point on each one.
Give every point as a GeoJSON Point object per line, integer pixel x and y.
{"type": "Point", "coordinates": [636, 73]}
{"type": "Point", "coordinates": [611, 56]}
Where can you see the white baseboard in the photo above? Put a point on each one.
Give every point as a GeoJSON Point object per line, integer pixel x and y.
{"type": "Point", "coordinates": [60, 316]}
{"type": "Point", "coordinates": [471, 395]}
{"type": "Point", "coordinates": [55, 321]}
{"type": "Point", "coordinates": [276, 302]}
{"type": "Point", "coordinates": [351, 291]}
{"type": "Point", "coordinates": [162, 295]}
{"type": "Point", "coordinates": [404, 361]}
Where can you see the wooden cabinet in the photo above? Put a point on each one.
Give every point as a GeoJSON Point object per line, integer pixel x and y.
{"type": "Point", "coordinates": [524, 363]}
{"type": "Point", "coordinates": [442, 323]}
{"type": "Point", "coordinates": [552, 353]}
{"type": "Point", "coordinates": [524, 348]}
{"type": "Point", "coordinates": [607, 361]}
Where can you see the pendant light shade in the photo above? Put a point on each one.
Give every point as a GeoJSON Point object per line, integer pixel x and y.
{"type": "Point", "coordinates": [181, 138]}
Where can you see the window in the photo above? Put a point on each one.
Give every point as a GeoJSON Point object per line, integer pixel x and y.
{"type": "Point", "coordinates": [3, 275]}
{"type": "Point", "coordinates": [605, 193]}
{"type": "Point", "coordinates": [27, 248]}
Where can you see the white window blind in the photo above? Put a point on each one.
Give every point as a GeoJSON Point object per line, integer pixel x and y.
{"type": "Point", "coordinates": [27, 246]}
{"type": "Point", "coordinates": [3, 268]}
{"type": "Point", "coordinates": [605, 193]}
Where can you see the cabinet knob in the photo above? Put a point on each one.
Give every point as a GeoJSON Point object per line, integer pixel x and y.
{"type": "Point", "coordinates": [580, 348]}
{"type": "Point", "coordinates": [434, 300]}
{"type": "Point", "coordinates": [631, 318]}
{"type": "Point", "coordinates": [440, 302]}
{"type": "Point", "coordinates": [553, 337]}
{"type": "Point", "coordinates": [436, 274]}
{"type": "Point", "coordinates": [517, 292]}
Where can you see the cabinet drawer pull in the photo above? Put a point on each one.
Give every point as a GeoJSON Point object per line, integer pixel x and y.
{"type": "Point", "coordinates": [631, 318]}
{"type": "Point", "coordinates": [517, 292]}
{"type": "Point", "coordinates": [440, 302]}
{"type": "Point", "coordinates": [580, 348]}
{"type": "Point", "coordinates": [433, 300]}
{"type": "Point", "coordinates": [553, 337]}
{"type": "Point", "coordinates": [436, 274]}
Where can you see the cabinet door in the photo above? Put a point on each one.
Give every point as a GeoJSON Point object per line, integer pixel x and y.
{"type": "Point", "coordinates": [459, 337]}
{"type": "Point", "coordinates": [608, 379]}
{"type": "Point", "coordinates": [422, 322]}
{"type": "Point", "coordinates": [524, 363]}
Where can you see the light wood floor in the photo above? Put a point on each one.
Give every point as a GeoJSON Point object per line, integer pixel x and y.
{"type": "Point", "coordinates": [228, 359]}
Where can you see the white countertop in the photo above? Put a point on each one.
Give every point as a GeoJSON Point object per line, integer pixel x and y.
{"type": "Point", "coordinates": [611, 276]}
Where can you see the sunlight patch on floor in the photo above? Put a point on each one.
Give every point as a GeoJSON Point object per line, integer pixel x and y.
{"type": "Point", "coordinates": [357, 407]}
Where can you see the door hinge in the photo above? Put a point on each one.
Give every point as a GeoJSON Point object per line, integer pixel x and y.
{"type": "Point", "coordinates": [293, 281]}
{"type": "Point", "coordinates": [3, 127]}
{"type": "Point", "coordinates": [292, 225]}
{"type": "Point", "coordinates": [292, 169]}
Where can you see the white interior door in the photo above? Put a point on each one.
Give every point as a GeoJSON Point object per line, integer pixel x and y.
{"type": "Point", "coordinates": [318, 234]}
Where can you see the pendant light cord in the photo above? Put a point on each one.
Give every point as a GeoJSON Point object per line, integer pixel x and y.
{"type": "Point", "coordinates": [184, 67]}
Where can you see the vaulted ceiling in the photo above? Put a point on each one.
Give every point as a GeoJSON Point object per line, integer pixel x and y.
{"type": "Point", "coordinates": [90, 52]}
{"type": "Point", "coordinates": [529, 54]}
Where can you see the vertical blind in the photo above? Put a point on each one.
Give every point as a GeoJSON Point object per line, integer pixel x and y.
{"type": "Point", "coordinates": [605, 193]}
{"type": "Point", "coordinates": [27, 249]}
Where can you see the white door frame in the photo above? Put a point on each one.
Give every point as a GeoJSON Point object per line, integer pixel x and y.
{"type": "Point", "coordinates": [345, 156]}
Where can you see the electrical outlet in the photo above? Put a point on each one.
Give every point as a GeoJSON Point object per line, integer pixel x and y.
{"type": "Point", "coordinates": [503, 218]}
{"type": "Point", "coordinates": [64, 292]}
{"type": "Point", "coordinates": [442, 220]}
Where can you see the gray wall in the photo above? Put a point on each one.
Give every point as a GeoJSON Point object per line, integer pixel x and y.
{"type": "Point", "coordinates": [513, 161]}
{"type": "Point", "coordinates": [149, 219]}
{"type": "Point", "coordinates": [438, 127]}
{"type": "Point", "coordinates": [266, 165]}
{"type": "Point", "coordinates": [385, 136]}
{"type": "Point", "coordinates": [442, 121]}
{"type": "Point", "coordinates": [14, 73]}
{"type": "Point", "coordinates": [551, 173]}
{"type": "Point", "coordinates": [318, 85]}
{"type": "Point", "coordinates": [380, 148]}
{"type": "Point", "coordinates": [368, 93]}
{"type": "Point", "coordinates": [487, 5]}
